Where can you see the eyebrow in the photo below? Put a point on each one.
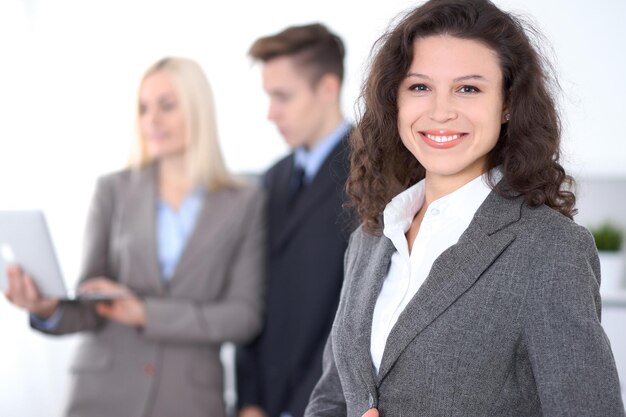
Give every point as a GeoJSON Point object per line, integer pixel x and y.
{"type": "Point", "coordinates": [475, 77]}
{"type": "Point", "coordinates": [163, 96]}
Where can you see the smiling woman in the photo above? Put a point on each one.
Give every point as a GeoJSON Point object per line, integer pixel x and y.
{"type": "Point", "coordinates": [468, 289]}
{"type": "Point", "coordinates": [450, 108]}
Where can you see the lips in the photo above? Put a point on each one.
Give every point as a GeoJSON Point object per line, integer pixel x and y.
{"type": "Point", "coordinates": [157, 135]}
{"type": "Point", "coordinates": [442, 139]}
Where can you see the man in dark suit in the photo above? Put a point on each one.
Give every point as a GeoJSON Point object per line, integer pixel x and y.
{"type": "Point", "coordinates": [308, 229]}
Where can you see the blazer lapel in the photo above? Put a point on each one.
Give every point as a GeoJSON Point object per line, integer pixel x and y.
{"type": "Point", "coordinates": [140, 213]}
{"type": "Point", "coordinates": [280, 190]}
{"type": "Point", "coordinates": [201, 237]}
{"type": "Point", "coordinates": [329, 181]}
{"type": "Point", "coordinates": [453, 273]}
{"type": "Point", "coordinates": [365, 294]}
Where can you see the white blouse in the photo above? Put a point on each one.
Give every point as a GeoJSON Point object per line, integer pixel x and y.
{"type": "Point", "coordinates": [444, 223]}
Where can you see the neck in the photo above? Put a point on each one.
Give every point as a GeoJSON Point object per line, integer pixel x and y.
{"type": "Point", "coordinates": [330, 123]}
{"type": "Point", "coordinates": [438, 186]}
{"type": "Point", "coordinates": [173, 171]}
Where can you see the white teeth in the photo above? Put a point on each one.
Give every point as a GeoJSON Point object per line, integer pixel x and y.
{"type": "Point", "coordinates": [442, 139]}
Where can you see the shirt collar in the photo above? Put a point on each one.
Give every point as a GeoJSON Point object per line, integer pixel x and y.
{"type": "Point", "coordinates": [400, 211]}
{"type": "Point", "coordinates": [312, 159]}
{"type": "Point", "coordinates": [462, 203]}
{"type": "Point", "coordinates": [192, 200]}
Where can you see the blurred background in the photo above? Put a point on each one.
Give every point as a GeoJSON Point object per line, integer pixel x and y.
{"type": "Point", "coordinates": [68, 79]}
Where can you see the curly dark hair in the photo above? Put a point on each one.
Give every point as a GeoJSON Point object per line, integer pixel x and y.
{"type": "Point", "coordinates": [528, 148]}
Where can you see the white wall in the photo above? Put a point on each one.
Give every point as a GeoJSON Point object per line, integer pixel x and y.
{"type": "Point", "coordinates": [69, 71]}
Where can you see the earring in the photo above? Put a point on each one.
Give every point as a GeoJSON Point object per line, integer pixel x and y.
{"type": "Point", "coordinates": [507, 116]}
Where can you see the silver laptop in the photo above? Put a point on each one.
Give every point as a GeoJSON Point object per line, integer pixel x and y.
{"type": "Point", "coordinates": [25, 240]}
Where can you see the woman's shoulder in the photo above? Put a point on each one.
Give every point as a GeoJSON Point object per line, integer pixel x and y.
{"type": "Point", "coordinates": [127, 175]}
{"type": "Point", "coordinates": [242, 198]}
{"type": "Point", "coordinates": [553, 226]}
{"type": "Point", "coordinates": [363, 238]}
{"type": "Point", "coordinates": [241, 191]}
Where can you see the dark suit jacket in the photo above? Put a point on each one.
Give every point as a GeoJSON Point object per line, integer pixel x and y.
{"type": "Point", "coordinates": [306, 244]}
{"type": "Point", "coordinates": [507, 324]}
{"type": "Point", "coordinates": [172, 366]}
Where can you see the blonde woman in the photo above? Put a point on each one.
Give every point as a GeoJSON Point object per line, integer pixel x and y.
{"type": "Point", "coordinates": [182, 241]}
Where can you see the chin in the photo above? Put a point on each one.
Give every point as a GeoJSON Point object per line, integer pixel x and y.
{"type": "Point", "coordinates": [165, 153]}
{"type": "Point", "coordinates": [157, 153]}
{"type": "Point", "coordinates": [454, 170]}
{"type": "Point", "coordinates": [444, 168]}
{"type": "Point", "coordinates": [293, 143]}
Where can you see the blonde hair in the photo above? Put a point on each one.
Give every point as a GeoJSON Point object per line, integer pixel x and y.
{"type": "Point", "coordinates": [205, 164]}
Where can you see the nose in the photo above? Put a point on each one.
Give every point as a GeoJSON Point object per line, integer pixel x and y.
{"type": "Point", "coordinates": [150, 117]}
{"type": "Point", "coordinates": [154, 117]}
{"type": "Point", "coordinates": [272, 111]}
{"type": "Point", "coordinates": [442, 108]}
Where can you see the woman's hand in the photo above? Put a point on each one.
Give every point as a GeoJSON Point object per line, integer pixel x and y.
{"type": "Point", "coordinates": [23, 292]}
{"type": "Point", "coordinates": [125, 309]}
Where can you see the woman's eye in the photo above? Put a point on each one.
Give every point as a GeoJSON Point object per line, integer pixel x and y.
{"type": "Point", "coordinates": [418, 87]}
{"type": "Point", "coordinates": [168, 105]}
{"type": "Point", "coordinates": [468, 89]}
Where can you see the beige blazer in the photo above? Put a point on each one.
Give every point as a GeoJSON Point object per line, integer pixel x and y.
{"type": "Point", "coordinates": [172, 366]}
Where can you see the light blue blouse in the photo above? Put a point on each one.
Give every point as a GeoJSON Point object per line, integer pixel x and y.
{"type": "Point", "coordinates": [174, 228]}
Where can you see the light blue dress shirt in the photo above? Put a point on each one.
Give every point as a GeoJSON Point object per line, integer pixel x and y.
{"type": "Point", "coordinates": [174, 228]}
{"type": "Point", "coordinates": [311, 160]}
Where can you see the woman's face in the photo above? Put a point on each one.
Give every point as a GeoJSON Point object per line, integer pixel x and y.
{"type": "Point", "coordinates": [161, 119]}
{"type": "Point", "coordinates": [451, 107]}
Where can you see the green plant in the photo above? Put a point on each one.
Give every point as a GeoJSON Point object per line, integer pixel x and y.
{"type": "Point", "coordinates": [608, 237]}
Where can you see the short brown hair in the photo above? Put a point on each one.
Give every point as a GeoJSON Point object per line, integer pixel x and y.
{"type": "Point", "coordinates": [528, 148]}
{"type": "Point", "coordinates": [313, 47]}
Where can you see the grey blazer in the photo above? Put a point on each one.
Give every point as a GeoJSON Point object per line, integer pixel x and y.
{"type": "Point", "coordinates": [172, 366]}
{"type": "Point", "coordinates": [506, 324]}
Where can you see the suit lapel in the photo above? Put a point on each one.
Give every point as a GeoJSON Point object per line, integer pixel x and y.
{"type": "Point", "coordinates": [280, 191]}
{"type": "Point", "coordinates": [453, 273]}
{"type": "Point", "coordinates": [201, 237]}
{"type": "Point", "coordinates": [365, 294]}
{"type": "Point", "coordinates": [140, 222]}
{"type": "Point", "coordinates": [328, 183]}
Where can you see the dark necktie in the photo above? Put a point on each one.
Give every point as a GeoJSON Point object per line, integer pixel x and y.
{"type": "Point", "coordinates": [296, 183]}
